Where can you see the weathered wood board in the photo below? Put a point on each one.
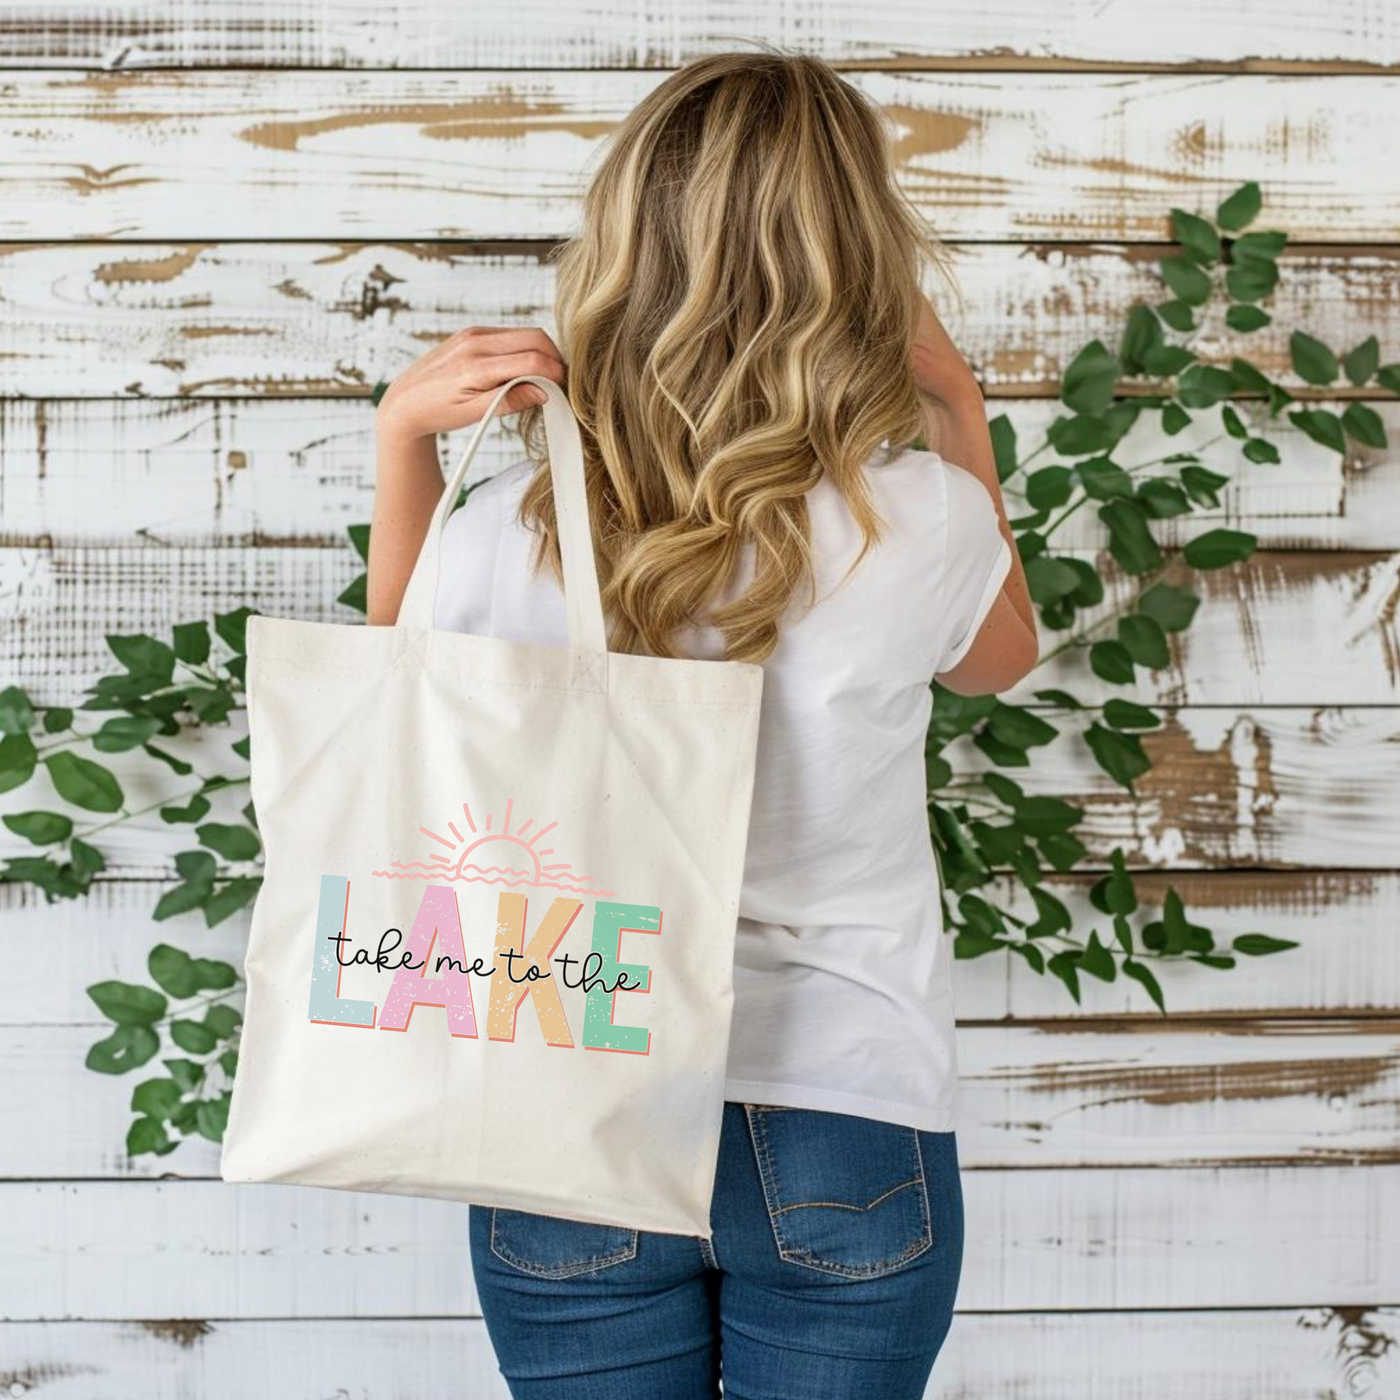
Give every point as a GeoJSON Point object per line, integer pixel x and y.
{"type": "Point", "coordinates": [506, 153]}
{"type": "Point", "coordinates": [1183, 1354]}
{"type": "Point", "coordinates": [1362, 34]}
{"type": "Point", "coordinates": [1066, 1240]}
{"type": "Point", "coordinates": [150, 320]}
{"type": "Point", "coordinates": [296, 472]}
{"type": "Point", "coordinates": [1277, 787]}
{"type": "Point", "coordinates": [1136, 1093]}
{"type": "Point", "coordinates": [1347, 963]}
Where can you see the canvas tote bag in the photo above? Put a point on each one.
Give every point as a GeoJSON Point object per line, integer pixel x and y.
{"type": "Point", "coordinates": [491, 958]}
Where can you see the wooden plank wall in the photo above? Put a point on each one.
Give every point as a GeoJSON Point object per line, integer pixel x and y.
{"type": "Point", "coordinates": [223, 223]}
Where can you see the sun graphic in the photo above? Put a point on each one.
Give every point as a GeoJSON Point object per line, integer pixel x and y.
{"type": "Point", "coordinates": [494, 857]}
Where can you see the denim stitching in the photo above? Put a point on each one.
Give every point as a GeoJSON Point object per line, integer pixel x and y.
{"type": "Point", "coordinates": [805, 1258]}
{"type": "Point", "coordinates": [564, 1269]}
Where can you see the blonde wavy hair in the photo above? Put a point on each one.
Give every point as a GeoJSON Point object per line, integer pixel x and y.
{"type": "Point", "coordinates": [736, 316]}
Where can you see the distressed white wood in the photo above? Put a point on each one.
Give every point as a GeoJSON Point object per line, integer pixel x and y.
{"type": "Point", "coordinates": [298, 471]}
{"type": "Point", "coordinates": [422, 34]}
{"type": "Point", "coordinates": [277, 319]}
{"type": "Point", "coordinates": [1345, 922]}
{"type": "Point", "coordinates": [1243, 647]}
{"type": "Point", "coordinates": [1142, 1093]}
{"type": "Point", "coordinates": [1273, 787]}
{"type": "Point", "coordinates": [1064, 1239]}
{"type": "Point", "coordinates": [1183, 1354]}
{"type": "Point", "coordinates": [506, 153]}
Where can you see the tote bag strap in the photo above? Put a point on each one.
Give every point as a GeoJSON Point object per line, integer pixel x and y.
{"type": "Point", "coordinates": [588, 645]}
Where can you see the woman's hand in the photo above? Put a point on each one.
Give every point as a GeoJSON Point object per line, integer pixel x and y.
{"type": "Point", "coordinates": [449, 387]}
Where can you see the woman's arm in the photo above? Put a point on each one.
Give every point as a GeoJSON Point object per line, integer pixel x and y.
{"type": "Point", "coordinates": [955, 418]}
{"type": "Point", "coordinates": [449, 387]}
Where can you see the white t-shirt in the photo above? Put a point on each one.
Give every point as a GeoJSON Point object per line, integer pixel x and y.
{"type": "Point", "coordinates": [842, 969]}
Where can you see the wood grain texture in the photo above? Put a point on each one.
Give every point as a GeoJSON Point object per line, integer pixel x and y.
{"type": "Point", "coordinates": [277, 319]}
{"type": "Point", "coordinates": [1140, 1093]}
{"type": "Point", "coordinates": [1347, 963]}
{"type": "Point", "coordinates": [1063, 1240]}
{"type": "Point", "coordinates": [1184, 1354]}
{"type": "Point", "coordinates": [506, 154]}
{"type": "Point", "coordinates": [1242, 648]}
{"type": "Point", "coordinates": [1278, 788]}
{"type": "Point", "coordinates": [1357, 34]}
{"type": "Point", "coordinates": [296, 472]}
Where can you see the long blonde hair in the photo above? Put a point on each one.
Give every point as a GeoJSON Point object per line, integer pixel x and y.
{"type": "Point", "coordinates": [736, 315]}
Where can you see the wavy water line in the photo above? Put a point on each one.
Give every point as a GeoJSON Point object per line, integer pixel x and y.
{"type": "Point", "coordinates": [476, 880]}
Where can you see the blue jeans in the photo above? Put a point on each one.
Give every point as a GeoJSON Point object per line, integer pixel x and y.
{"type": "Point", "coordinates": [836, 1254]}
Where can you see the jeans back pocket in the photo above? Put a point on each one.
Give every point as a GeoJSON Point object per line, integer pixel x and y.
{"type": "Point", "coordinates": [549, 1247]}
{"type": "Point", "coordinates": [845, 1195]}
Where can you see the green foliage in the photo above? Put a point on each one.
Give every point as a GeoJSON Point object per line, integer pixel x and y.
{"type": "Point", "coordinates": [988, 831]}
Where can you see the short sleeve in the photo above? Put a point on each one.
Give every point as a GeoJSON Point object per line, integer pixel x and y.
{"type": "Point", "coordinates": [976, 561]}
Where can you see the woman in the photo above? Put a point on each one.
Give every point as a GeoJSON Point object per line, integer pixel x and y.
{"type": "Point", "coordinates": [750, 358]}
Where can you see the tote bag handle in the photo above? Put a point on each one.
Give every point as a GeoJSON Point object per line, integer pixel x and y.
{"type": "Point", "coordinates": [588, 645]}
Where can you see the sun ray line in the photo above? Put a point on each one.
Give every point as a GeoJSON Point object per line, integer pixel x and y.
{"type": "Point", "coordinates": [505, 824]}
{"type": "Point", "coordinates": [454, 831]}
{"type": "Point", "coordinates": [436, 837]}
{"type": "Point", "coordinates": [541, 832]}
{"type": "Point", "coordinates": [468, 811]}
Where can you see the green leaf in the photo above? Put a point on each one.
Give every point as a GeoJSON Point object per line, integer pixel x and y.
{"type": "Point", "coordinates": [84, 783]}
{"type": "Point", "coordinates": [196, 865]}
{"type": "Point", "coordinates": [1196, 236]}
{"type": "Point", "coordinates": [177, 764]}
{"type": "Point", "coordinates": [1202, 484]}
{"type": "Point", "coordinates": [1115, 893]}
{"type": "Point", "coordinates": [355, 594]}
{"type": "Point", "coordinates": [147, 1135]}
{"type": "Point", "coordinates": [1248, 379]}
{"type": "Point", "coordinates": [16, 711]}
{"type": "Point", "coordinates": [1078, 437]}
{"type": "Point", "coordinates": [192, 811]}
{"type": "Point", "coordinates": [57, 718]}
{"type": "Point", "coordinates": [1121, 756]}
{"type": "Point", "coordinates": [1313, 362]}
{"type": "Point", "coordinates": [228, 1062]}
{"type": "Point", "coordinates": [1166, 360]}
{"type": "Point", "coordinates": [1174, 419]}
{"type": "Point", "coordinates": [1062, 850]}
{"type": "Point", "coordinates": [1321, 425]}
{"type": "Point", "coordinates": [1145, 641]}
{"type": "Point", "coordinates": [144, 657]}
{"type": "Point", "coordinates": [180, 899]}
{"type": "Point", "coordinates": [173, 971]}
{"type": "Point", "coordinates": [1162, 498]}
{"type": "Point", "coordinates": [87, 860]}
{"type": "Point", "coordinates": [212, 1118]}
{"type": "Point", "coordinates": [1170, 606]}
{"type": "Point", "coordinates": [192, 1037]}
{"type": "Point", "coordinates": [1124, 714]}
{"type": "Point", "coordinates": [1063, 966]}
{"type": "Point", "coordinates": [1142, 333]}
{"type": "Point", "coordinates": [1186, 280]}
{"type": "Point", "coordinates": [1261, 450]}
{"type": "Point", "coordinates": [1256, 945]}
{"type": "Point", "coordinates": [1245, 318]}
{"type": "Point", "coordinates": [158, 1098]}
{"type": "Point", "coordinates": [1049, 580]}
{"type": "Point", "coordinates": [1217, 548]}
{"type": "Point", "coordinates": [1097, 961]}
{"type": "Point", "coordinates": [1046, 816]}
{"type": "Point", "coordinates": [1050, 487]}
{"type": "Point", "coordinates": [40, 828]}
{"type": "Point", "coordinates": [1240, 209]}
{"type": "Point", "coordinates": [124, 732]}
{"type": "Point", "coordinates": [17, 761]}
{"type": "Point", "coordinates": [1234, 424]}
{"type": "Point", "coordinates": [127, 1048]}
{"type": "Point", "coordinates": [1140, 972]}
{"type": "Point", "coordinates": [213, 975]}
{"type": "Point", "coordinates": [1363, 423]}
{"type": "Point", "coordinates": [127, 1003]}
{"type": "Point", "coordinates": [1258, 247]}
{"type": "Point", "coordinates": [1130, 540]}
{"type": "Point", "coordinates": [1177, 315]}
{"type": "Point", "coordinates": [1362, 362]}
{"type": "Point", "coordinates": [1003, 446]}
{"type": "Point", "coordinates": [1201, 386]}
{"type": "Point", "coordinates": [186, 1073]}
{"type": "Point", "coordinates": [1103, 479]}
{"type": "Point", "coordinates": [1252, 280]}
{"type": "Point", "coordinates": [232, 628]}
{"type": "Point", "coordinates": [223, 1021]}
{"type": "Point", "coordinates": [1388, 377]}
{"type": "Point", "coordinates": [1054, 916]}
{"type": "Point", "coordinates": [1111, 662]}
{"type": "Point", "coordinates": [1020, 728]}
{"type": "Point", "coordinates": [230, 898]}
{"type": "Point", "coordinates": [192, 642]}
{"type": "Point", "coordinates": [233, 842]}
{"type": "Point", "coordinates": [1089, 380]}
